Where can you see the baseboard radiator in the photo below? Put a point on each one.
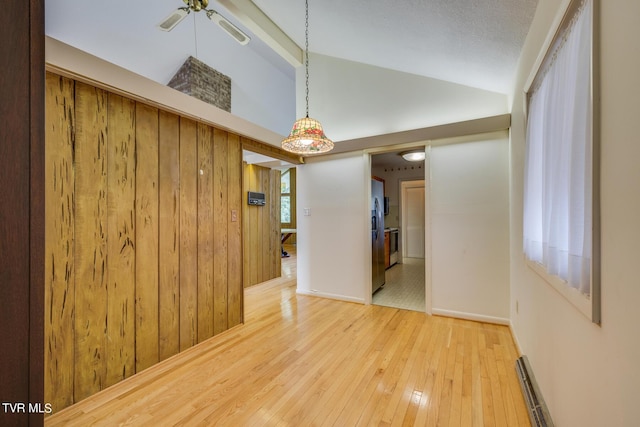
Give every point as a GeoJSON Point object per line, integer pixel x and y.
{"type": "Point", "coordinates": [538, 412]}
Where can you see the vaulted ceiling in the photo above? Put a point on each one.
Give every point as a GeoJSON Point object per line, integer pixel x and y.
{"type": "Point", "coordinates": [475, 43]}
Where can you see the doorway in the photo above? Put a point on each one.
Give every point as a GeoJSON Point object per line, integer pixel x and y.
{"type": "Point", "coordinates": [405, 282]}
{"type": "Point", "coordinates": [413, 219]}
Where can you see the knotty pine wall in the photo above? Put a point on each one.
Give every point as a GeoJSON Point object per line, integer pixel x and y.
{"type": "Point", "coordinates": [262, 260]}
{"type": "Point", "coordinates": [143, 257]}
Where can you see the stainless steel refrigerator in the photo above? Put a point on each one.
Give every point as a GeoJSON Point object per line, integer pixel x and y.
{"type": "Point", "coordinates": [377, 235]}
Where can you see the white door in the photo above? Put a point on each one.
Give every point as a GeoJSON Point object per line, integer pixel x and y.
{"type": "Point", "coordinates": [413, 219]}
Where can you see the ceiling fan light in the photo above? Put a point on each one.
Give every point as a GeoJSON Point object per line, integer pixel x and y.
{"type": "Point", "coordinates": [235, 32]}
{"type": "Point", "coordinates": [174, 19]}
{"type": "Point", "coordinates": [413, 156]}
{"type": "Point", "coordinates": [307, 137]}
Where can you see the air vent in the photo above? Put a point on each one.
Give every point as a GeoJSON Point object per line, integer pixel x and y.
{"type": "Point", "coordinates": [538, 413]}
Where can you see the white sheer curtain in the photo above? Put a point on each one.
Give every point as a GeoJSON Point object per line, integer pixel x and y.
{"type": "Point", "coordinates": [558, 163]}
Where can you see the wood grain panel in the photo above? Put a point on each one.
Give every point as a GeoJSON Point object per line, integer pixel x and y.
{"type": "Point", "coordinates": [90, 240]}
{"type": "Point", "coordinates": [146, 237]}
{"type": "Point", "coordinates": [59, 242]}
{"type": "Point", "coordinates": [188, 234]}
{"type": "Point", "coordinates": [271, 151]}
{"type": "Point", "coordinates": [246, 228]}
{"type": "Point", "coordinates": [169, 238]}
{"type": "Point", "coordinates": [235, 264]}
{"type": "Point", "coordinates": [261, 226]}
{"type": "Point", "coordinates": [275, 251]}
{"type": "Point", "coordinates": [256, 240]}
{"type": "Point", "coordinates": [265, 224]}
{"type": "Point", "coordinates": [121, 238]}
{"type": "Point", "coordinates": [220, 229]}
{"type": "Point", "coordinates": [205, 232]}
{"type": "Point", "coordinates": [144, 257]}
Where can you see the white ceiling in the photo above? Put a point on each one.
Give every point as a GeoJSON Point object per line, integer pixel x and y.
{"type": "Point", "coordinates": [471, 42]}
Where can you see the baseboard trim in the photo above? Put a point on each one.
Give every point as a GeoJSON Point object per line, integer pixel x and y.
{"type": "Point", "coordinates": [471, 316]}
{"type": "Point", "coordinates": [330, 296]}
{"type": "Point", "coordinates": [515, 339]}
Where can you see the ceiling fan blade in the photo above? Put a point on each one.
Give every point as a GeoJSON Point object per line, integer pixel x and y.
{"type": "Point", "coordinates": [235, 32]}
{"type": "Point", "coordinates": [174, 19]}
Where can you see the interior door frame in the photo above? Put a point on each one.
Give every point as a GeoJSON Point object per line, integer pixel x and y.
{"type": "Point", "coordinates": [427, 216]}
{"type": "Point", "coordinates": [403, 185]}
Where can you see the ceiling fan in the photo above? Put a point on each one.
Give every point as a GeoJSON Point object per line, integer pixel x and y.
{"type": "Point", "coordinates": [201, 5]}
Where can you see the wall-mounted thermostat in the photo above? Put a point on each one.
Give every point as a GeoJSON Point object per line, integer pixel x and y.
{"type": "Point", "coordinates": [256, 199]}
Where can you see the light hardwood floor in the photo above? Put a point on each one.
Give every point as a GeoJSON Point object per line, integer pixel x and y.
{"type": "Point", "coordinates": [306, 361]}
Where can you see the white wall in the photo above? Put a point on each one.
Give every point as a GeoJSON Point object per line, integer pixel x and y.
{"type": "Point", "coordinates": [588, 374]}
{"type": "Point", "coordinates": [469, 197]}
{"type": "Point", "coordinates": [470, 228]}
{"type": "Point", "coordinates": [354, 100]}
{"type": "Point", "coordinates": [334, 258]}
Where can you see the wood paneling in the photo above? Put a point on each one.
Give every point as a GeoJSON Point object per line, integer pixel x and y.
{"type": "Point", "coordinates": [146, 240]}
{"type": "Point", "coordinates": [262, 226]}
{"type": "Point", "coordinates": [91, 240]}
{"type": "Point", "coordinates": [121, 257]}
{"type": "Point", "coordinates": [205, 232]}
{"type": "Point", "coordinates": [144, 237]}
{"type": "Point", "coordinates": [169, 234]}
{"type": "Point", "coordinates": [234, 236]}
{"type": "Point", "coordinates": [221, 219]}
{"type": "Point", "coordinates": [188, 234]}
{"type": "Point", "coordinates": [59, 241]}
{"type": "Point", "coordinates": [275, 251]}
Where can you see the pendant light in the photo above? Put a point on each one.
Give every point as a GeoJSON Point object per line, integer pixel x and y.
{"type": "Point", "coordinates": [307, 136]}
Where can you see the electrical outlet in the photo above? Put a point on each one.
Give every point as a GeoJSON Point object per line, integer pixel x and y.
{"type": "Point", "coordinates": [307, 211]}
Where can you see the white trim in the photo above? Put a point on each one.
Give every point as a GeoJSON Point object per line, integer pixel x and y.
{"type": "Point", "coordinates": [515, 339]}
{"type": "Point", "coordinates": [472, 316]}
{"type": "Point", "coordinates": [579, 300]}
{"type": "Point", "coordinates": [427, 232]}
{"type": "Point", "coordinates": [368, 284]}
{"type": "Point", "coordinates": [330, 296]}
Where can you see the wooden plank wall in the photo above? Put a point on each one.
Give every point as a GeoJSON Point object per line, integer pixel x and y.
{"type": "Point", "coordinates": [143, 245]}
{"type": "Point", "coordinates": [262, 260]}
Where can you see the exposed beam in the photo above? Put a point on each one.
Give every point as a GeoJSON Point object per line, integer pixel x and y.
{"type": "Point", "coordinates": [262, 26]}
{"type": "Point", "coordinates": [449, 130]}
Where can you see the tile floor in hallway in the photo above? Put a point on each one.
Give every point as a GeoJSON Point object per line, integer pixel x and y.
{"type": "Point", "coordinates": [404, 286]}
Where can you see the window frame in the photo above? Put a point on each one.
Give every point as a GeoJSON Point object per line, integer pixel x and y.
{"type": "Point", "coordinates": [589, 305]}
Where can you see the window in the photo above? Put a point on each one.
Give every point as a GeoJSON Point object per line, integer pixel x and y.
{"type": "Point", "coordinates": [561, 203]}
{"type": "Point", "coordinates": [288, 198]}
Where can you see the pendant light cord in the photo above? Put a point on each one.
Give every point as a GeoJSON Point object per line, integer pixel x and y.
{"type": "Point", "coordinates": [306, 51]}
